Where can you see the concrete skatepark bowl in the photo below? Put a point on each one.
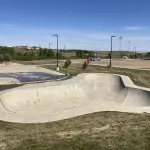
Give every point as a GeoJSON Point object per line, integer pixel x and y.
{"type": "Point", "coordinates": [83, 94]}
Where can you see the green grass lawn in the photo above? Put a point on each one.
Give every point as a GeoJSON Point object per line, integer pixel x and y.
{"type": "Point", "coordinates": [98, 131]}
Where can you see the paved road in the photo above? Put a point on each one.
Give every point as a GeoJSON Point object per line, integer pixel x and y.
{"type": "Point", "coordinates": [122, 63]}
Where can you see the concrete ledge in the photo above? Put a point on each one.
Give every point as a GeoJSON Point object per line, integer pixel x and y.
{"type": "Point", "coordinates": [6, 81]}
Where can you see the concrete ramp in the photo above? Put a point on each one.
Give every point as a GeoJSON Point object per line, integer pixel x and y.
{"type": "Point", "coordinates": [137, 98]}
{"type": "Point", "coordinates": [80, 95]}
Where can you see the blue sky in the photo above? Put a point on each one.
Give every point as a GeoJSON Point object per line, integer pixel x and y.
{"type": "Point", "coordinates": [85, 24]}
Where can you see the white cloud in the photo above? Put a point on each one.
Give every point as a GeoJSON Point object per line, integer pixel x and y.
{"type": "Point", "coordinates": [135, 28]}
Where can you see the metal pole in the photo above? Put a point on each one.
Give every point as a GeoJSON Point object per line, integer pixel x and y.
{"type": "Point", "coordinates": [64, 47]}
{"type": "Point", "coordinates": [57, 68]}
{"type": "Point", "coordinates": [57, 51]}
{"type": "Point", "coordinates": [129, 45]}
{"type": "Point", "coordinates": [111, 52]}
{"type": "Point", "coordinates": [49, 46]}
{"type": "Point", "coordinates": [120, 45]}
{"type": "Point", "coordinates": [135, 53]}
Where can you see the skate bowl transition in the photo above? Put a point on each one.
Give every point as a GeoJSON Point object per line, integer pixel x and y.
{"type": "Point", "coordinates": [83, 94]}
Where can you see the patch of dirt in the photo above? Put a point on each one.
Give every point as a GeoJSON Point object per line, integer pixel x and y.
{"type": "Point", "coordinates": [70, 134]}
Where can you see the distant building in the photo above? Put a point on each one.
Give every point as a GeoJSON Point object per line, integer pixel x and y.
{"type": "Point", "coordinates": [28, 48]}
{"type": "Point", "coordinates": [35, 47]}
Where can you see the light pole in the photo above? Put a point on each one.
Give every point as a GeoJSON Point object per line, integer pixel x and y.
{"type": "Point", "coordinates": [50, 45]}
{"type": "Point", "coordinates": [95, 54]}
{"type": "Point", "coordinates": [129, 45]}
{"type": "Point", "coordinates": [57, 68]}
{"type": "Point", "coordinates": [111, 51]}
{"type": "Point", "coordinates": [64, 47]}
{"type": "Point", "coordinates": [120, 44]}
{"type": "Point", "coordinates": [135, 53]}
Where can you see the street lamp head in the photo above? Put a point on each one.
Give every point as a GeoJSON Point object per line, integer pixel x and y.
{"type": "Point", "coordinates": [55, 35]}
{"type": "Point", "coordinates": [113, 36]}
{"type": "Point", "coordinates": [120, 37]}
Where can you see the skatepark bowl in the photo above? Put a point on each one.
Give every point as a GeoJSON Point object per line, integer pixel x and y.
{"type": "Point", "coordinates": [83, 94]}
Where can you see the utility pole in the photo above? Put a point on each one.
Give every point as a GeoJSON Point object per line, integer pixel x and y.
{"type": "Point", "coordinates": [129, 45]}
{"type": "Point", "coordinates": [64, 47]}
{"type": "Point", "coordinates": [95, 54]}
{"type": "Point", "coordinates": [120, 43]}
{"type": "Point", "coordinates": [50, 46]}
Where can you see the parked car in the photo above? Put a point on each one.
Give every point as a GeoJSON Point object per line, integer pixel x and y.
{"type": "Point", "coordinates": [94, 59]}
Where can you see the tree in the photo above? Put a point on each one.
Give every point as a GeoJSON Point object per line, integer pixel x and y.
{"type": "Point", "coordinates": [60, 56]}
{"type": "Point", "coordinates": [7, 57]}
{"type": "Point", "coordinates": [7, 50]}
{"type": "Point", "coordinates": [40, 52]}
{"type": "Point", "coordinates": [135, 56]}
{"type": "Point", "coordinates": [148, 55]}
{"type": "Point", "coordinates": [132, 55]}
{"type": "Point", "coordinates": [1, 58]}
{"type": "Point", "coordinates": [79, 53]}
{"type": "Point", "coordinates": [50, 54]}
{"type": "Point", "coordinates": [91, 54]}
{"type": "Point", "coordinates": [18, 54]}
{"type": "Point", "coordinates": [108, 55]}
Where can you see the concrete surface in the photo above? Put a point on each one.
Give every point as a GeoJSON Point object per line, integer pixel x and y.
{"type": "Point", "coordinates": [9, 64]}
{"type": "Point", "coordinates": [25, 68]}
{"type": "Point", "coordinates": [6, 81]}
{"type": "Point", "coordinates": [83, 94]}
{"type": "Point", "coordinates": [16, 74]}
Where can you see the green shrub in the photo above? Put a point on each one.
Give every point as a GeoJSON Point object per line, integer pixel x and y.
{"type": "Point", "coordinates": [67, 63]}
{"type": "Point", "coordinates": [85, 64]}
